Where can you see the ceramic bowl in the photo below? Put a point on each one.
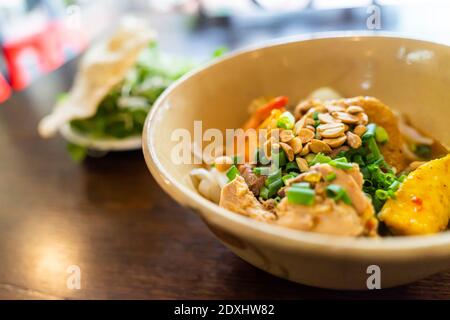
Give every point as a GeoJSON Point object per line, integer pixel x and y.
{"type": "Point", "coordinates": [412, 76]}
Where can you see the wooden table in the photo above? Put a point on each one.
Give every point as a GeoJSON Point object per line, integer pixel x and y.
{"type": "Point", "coordinates": [110, 218]}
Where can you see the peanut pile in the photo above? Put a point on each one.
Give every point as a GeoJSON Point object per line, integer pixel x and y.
{"type": "Point", "coordinates": [319, 128]}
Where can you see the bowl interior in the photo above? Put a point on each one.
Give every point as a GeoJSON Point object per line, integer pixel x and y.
{"type": "Point", "coordinates": [409, 75]}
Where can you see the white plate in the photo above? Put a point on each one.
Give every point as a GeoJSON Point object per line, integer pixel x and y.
{"type": "Point", "coordinates": [105, 144]}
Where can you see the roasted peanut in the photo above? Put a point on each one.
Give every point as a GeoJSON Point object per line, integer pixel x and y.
{"type": "Point", "coordinates": [335, 108]}
{"type": "Point", "coordinates": [331, 130]}
{"type": "Point", "coordinates": [305, 149]}
{"type": "Point", "coordinates": [302, 164]}
{"type": "Point", "coordinates": [327, 118]}
{"type": "Point", "coordinates": [360, 129]}
{"type": "Point", "coordinates": [362, 118]}
{"type": "Point", "coordinates": [288, 150]}
{"type": "Point", "coordinates": [353, 140]}
{"type": "Point", "coordinates": [300, 124]}
{"type": "Point", "coordinates": [345, 117]}
{"type": "Point", "coordinates": [317, 146]}
{"type": "Point", "coordinates": [306, 135]}
{"type": "Point", "coordinates": [354, 109]}
{"type": "Point", "coordinates": [335, 142]}
{"type": "Point", "coordinates": [296, 145]}
{"type": "Point", "coordinates": [286, 135]}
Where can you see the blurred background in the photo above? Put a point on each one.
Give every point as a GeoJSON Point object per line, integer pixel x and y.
{"type": "Point", "coordinates": [39, 36]}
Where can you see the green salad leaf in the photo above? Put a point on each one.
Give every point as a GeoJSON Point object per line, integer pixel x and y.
{"type": "Point", "coordinates": [76, 152]}
{"type": "Point", "coordinates": [123, 111]}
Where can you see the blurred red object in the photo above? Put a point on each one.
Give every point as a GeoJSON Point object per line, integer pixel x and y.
{"type": "Point", "coordinates": [41, 52]}
{"type": "Point", "coordinates": [5, 90]}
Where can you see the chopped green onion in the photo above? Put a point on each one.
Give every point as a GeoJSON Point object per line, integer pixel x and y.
{"type": "Point", "coordinates": [292, 166]}
{"type": "Point", "coordinates": [377, 203]}
{"type": "Point", "coordinates": [301, 185]}
{"type": "Point", "coordinates": [303, 196]}
{"type": "Point", "coordinates": [381, 135]}
{"type": "Point", "coordinates": [286, 177]}
{"type": "Point", "coordinates": [342, 154]}
{"type": "Point", "coordinates": [258, 170]}
{"type": "Point", "coordinates": [337, 192]}
{"type": "Point", "coordinates": [286, 120]}
{"type": "Point", "coordinates": [357, 158]}
{"type": "Point", "coordinates": [319, 158]}
{"type": "Point", "coordinates": [395, 185]}
{"type": "Point", "coordinates": [365, 172]}
{"type": "Point", "coordinates": [279, 158]}
{"type": "Point", "coordinates": [261, 171]}
{"type": "Point", "coordinates": [316, 115]}
{"type": "Point", "coordinates": [391, 194]}
{"type": "Point", "coordinates": [331, 176]}
{"type": "Point", "coordinates": [341, 164]}
{"type": "Point", "coordinates": [273, 177]}
{"type": "Point", "coordinates": [381, 194]}
{"type": "Point", "coordinates": [375, 153]}
{"type": "Point", "coordinates": [371, 127]}
{"type": "Point", "coordinates": [367, 183]}
{"type": "Point", "coordinates": [264, 193]}
{"type": "Point", "coordinates": [232, 173]}
{"type": "Point", "coordinates": [390, 178]}
{"type": "Point", "coordinates": [274, 187]}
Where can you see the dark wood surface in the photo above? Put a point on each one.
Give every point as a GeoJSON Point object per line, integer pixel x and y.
{"type": "Point", "coordinates": [110, 218]}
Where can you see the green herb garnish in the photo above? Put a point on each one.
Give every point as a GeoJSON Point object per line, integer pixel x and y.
{"type": "Point", "coordinates": [286, 120]}
{"type": "Point", "coordinates": [330, 177]}
{"type": "Point", "coordinates": [274, 187]}
{"type": "Point", "coordinates": [301, 195]}
{"type": "Point", "coordinates": [292, 166]}
{"type": "Point", "coordinates": [371, 127]}
{"type": "Point", "coordinates": [123, 110]}
{"type": "Point", "coordinates": [341, 163]}
{"type": "Point", "coordinates": [337, 192]}
{"type": "Point", "coordinates": [319, 158]}
{"type": "Point", "coordinates": [273, 177]}
{"type": "Point", "coordinates": [232, 173]}
{"type": "Point", "coordinates": [381, 135]}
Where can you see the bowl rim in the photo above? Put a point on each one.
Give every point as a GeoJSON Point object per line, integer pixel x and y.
{"type": "Point", "coordinates": [425, 246]}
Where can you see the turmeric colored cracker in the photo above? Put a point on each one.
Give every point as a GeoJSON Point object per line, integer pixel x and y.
{"type": "Point", "coordinates": [382, 115]}
{"type": "Point", "coordinates": [422, 203]}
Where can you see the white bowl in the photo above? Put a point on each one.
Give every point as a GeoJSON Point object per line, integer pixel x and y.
{"type": "Point", "coordinates": [412, 76]}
